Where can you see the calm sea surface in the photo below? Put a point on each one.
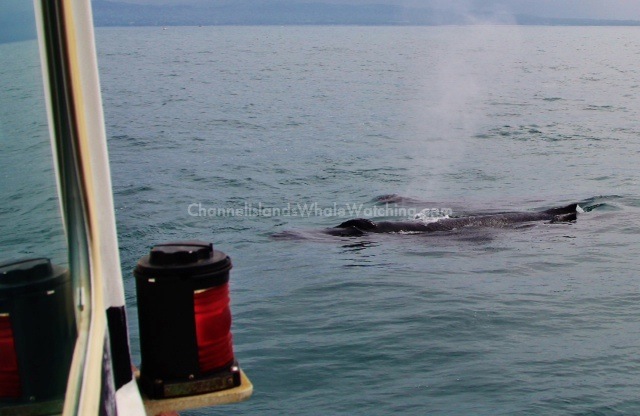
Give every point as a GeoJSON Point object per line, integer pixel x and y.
{"type": "Point", "coordinates": [226, 134]}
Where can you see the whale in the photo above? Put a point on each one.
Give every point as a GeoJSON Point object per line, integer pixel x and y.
{"type": "Point", "coordinates": [361, 226]}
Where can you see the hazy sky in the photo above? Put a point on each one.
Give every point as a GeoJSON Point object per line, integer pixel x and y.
{"type": "Point", "coordinates": [594, 9]}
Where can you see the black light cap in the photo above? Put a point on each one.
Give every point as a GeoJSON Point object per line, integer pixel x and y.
{"type": "Point", "coordinates": [17, 271]}
{"type": "Point", "coordinates": [180, 253]}
{"type": "Point", "coordinates": [27, 275]}
{"type": "Point", "coordinates": [184, 260]}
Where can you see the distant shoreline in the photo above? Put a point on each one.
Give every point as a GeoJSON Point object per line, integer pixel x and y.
{"type": "Point", "coordinates": [132, 25]}
{"type": "Point", "coordinates": [116, 14]}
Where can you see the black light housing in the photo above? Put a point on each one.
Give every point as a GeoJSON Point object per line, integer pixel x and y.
{"type": "Point", "coordinates": [39, 333]}
{"type": "Point", "coordinates": [185, 320]}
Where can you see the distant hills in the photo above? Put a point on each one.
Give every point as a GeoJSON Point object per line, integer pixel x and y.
{"type": "Point", "coordinates": [110, 13]}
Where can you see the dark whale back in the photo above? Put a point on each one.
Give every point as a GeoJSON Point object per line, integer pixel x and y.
{"type": "Point", "coordinates": [572, 216]}
{"type": "Point", "coordinates": [359, 223]}
{"type": "Point", "coordinates": [360, 226]}
{"type": "Point", "coordinates": [569, 209]}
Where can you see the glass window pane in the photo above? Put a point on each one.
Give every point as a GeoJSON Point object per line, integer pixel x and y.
{"type": "Point", "coordinates": [30, 220]}
{"type": "Point", "coordinates": [37, 314]}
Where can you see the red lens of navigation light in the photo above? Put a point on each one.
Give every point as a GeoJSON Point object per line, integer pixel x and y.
{"type": "Point", "coordinates": [9, 375]}
{"type": "Point", "coordinates": [213, 328]}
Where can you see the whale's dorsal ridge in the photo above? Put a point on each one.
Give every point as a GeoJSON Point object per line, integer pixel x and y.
{"type": "Point", "coordinates": [569, 209]}
{"type": "Point", "coordinates": [359, 223]}
{"type": "Point", "coordinates": [569, 217]}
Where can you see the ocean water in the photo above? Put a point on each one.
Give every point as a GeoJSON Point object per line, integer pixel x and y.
{"type": "Point", "coordinates": [31, 225]}
{"type": "Point", "coordinates": [236, 134]}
